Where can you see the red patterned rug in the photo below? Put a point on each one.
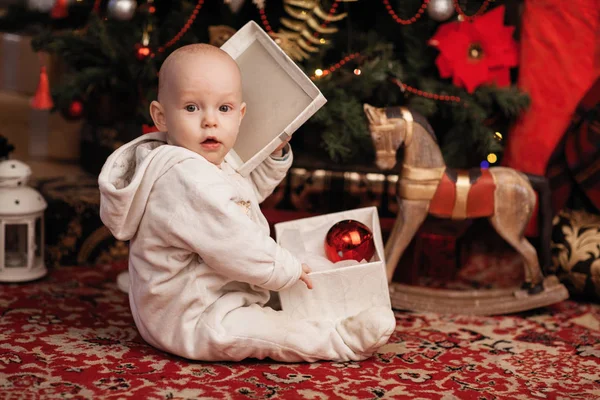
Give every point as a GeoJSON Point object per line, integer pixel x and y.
{"type": "Point", "coordinates": [71, 335]}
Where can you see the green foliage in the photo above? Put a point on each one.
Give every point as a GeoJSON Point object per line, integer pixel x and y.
{"type": "Point", "coordinates": [342, 121]}
{"type": "Point", "coordinates": [466, 130]}
{"type": "Point", "coordinates": [345, 123]}
{"type": "Point", "coordinates": [103, 68]}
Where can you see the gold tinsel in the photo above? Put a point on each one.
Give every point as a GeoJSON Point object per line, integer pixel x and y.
{"type": "Point", "coordinates": [297, 36]}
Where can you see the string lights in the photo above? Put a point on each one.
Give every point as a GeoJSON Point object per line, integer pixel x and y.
{"type": "Point", "coordinates": [319, 73]}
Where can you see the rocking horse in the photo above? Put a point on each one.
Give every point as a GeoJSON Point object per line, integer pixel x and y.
{"type": "Point", "coordinates": [426, 186]}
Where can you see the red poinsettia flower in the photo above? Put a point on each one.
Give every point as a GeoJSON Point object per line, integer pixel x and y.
{"type": "Point", "coordinates": [477, 52]}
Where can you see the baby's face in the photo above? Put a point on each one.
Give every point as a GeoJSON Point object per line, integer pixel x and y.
{"type": "Point", "coordinates": [203, 106]}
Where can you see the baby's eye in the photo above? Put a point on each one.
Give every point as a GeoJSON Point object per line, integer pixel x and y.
{"type": "Point", "coordinates": [191, 108]}
{"type": "Point", "coordinates": [224, 108]}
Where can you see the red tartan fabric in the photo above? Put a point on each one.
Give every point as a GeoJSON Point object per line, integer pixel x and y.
{"type": "Point", "coordinates": [576, 161]}
{"type": "Point", "coordinates": [71, 335]}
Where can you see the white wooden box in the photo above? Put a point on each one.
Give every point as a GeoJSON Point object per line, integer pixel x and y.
{"type": "Point", "coordinates": [340, 292]}
{"type": "Point", "coordinates": [278, 95]}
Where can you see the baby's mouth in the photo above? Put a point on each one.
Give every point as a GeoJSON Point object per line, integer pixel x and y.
{"type": "Point", "coordinates": [211, 144]}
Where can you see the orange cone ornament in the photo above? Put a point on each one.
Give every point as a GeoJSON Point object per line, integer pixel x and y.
{"type": "Point", "coordinates": [60, 9]}
{"type": "Point", "coordinates": [42, 99]}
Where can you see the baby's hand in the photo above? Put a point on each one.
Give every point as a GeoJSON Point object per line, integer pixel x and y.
{"type": "Point", "coordinates": [278, 152]}
{"type": "Point", "coordinates": [304, 276]}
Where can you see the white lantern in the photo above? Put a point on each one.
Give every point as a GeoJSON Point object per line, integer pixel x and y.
{"type": "Point", "coordinates": [21, 225]}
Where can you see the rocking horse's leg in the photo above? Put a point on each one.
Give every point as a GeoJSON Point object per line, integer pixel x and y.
{"type": "Point", "coordinates": [411, 214]}
{"type": "Point", "coordinates": [512, 234]}
{"type": "Point", "coordinates": [514, 201]}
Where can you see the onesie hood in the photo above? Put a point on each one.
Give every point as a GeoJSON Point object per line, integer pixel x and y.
{"type": "Point", "coordinates": [128, 176]}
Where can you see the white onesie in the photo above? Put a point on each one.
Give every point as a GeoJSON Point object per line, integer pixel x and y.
{"type": "Point", "coordinates": [202, 263]}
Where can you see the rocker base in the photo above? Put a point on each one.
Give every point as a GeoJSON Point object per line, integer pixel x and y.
{"type": "Point", "coordinates": [475, 302]}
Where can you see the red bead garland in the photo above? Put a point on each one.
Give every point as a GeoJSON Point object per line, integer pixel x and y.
{"type": "Point", "coordinates": [337, 65]}
{"type": "Point", "coordinates": [403, 86]}
{"type": "Point", "coordinates": [264, 20]}
{"type": "Point", "coordinates": [409, 21]}
{"type": "Point", "coordinates": [425, 94]}
{"type": "Point", "coordinates": [469, 18]}
{"type": "Point", "coordinates": [183, 30]}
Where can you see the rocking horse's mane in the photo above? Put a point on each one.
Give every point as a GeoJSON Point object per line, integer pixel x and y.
{"type": "Point", "coordinates": [394, 112]}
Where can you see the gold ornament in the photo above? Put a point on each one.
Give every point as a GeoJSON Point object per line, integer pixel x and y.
{"type": "Point", "coordinates": [329, 18]}
{"type": "Point", "coordinates": [295, 26]}
{"type": "Point", "coordinates": [319, 28]}
{"type": "Point", "coordinates": [301, 15]}
{"type": "Point", "coordinates": [306, 4]}
{"type": "Point", "coordinates": [219, 34]}
{"type": "Point", "coordinates": [288, 43]}
{"type": "Point", "coordinates": [305, 46]}
{"type": "Point", "coordinates": [299, 37]}
{"type": "Point", "coordinates": [308, 36]}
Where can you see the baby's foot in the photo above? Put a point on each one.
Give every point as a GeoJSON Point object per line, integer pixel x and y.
{"type": "Point", "coordinates": [368, 330]}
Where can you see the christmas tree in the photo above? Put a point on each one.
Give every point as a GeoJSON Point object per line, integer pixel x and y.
{"type": "Point", "coordinates": [450, 60]}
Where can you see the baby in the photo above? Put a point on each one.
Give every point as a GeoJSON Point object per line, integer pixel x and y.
{"type": "Point", "coordinates": [201, 260]}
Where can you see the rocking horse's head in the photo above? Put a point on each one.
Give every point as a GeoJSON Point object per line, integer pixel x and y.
{"type": "Point", "coordinates": [389, 130]}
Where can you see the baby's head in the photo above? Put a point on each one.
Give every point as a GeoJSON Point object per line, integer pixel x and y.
{"type": "Point", "coordinates": [200, 100]}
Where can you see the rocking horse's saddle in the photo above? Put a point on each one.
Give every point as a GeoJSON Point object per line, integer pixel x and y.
{"type": "Point", "coordinates": [464, 194]}
{"type": "Point", "coordinates": [474, 174]}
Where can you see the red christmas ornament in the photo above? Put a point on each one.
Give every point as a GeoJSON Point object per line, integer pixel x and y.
{"type": "Point", "coordinates": [142, 52]}
{"type": "Point", "coordinates": [349, 240]}
{"type": "Point", "coordinates": [75, 110]}
{"type": "Point", "coordinates": [478, 52]}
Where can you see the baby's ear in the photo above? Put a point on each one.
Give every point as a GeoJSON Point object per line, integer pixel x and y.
{"type": "Point", "coordinates": [242, 111]}
{"type": "Point", "coordinates": [158, 116]}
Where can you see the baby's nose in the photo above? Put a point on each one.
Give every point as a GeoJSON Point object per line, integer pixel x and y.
{"type": "Point", "coordinates": [209, 120]}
